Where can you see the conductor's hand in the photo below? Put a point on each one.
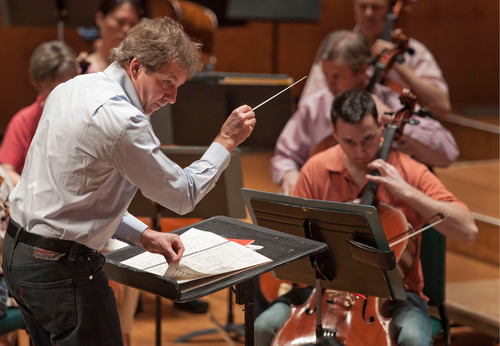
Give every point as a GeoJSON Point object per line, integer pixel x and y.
{"type": "Point", "coordinates": [167, 244]}
{"type": "Point", "coordinates": [238, 127]}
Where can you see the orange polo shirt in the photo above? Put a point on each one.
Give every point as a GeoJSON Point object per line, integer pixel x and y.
{"type": "Point", "coordinates": [325, 177]}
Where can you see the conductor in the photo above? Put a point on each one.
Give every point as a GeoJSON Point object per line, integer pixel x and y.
{"type": "Point", "coordinates": [91, 152]}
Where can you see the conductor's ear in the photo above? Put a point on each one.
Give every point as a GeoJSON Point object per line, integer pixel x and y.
{"type": "Point", "coordinates": [135, 67]}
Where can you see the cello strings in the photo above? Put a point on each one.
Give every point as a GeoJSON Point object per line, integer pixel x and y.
{"type": "Point", "coordinates": [269, 99]}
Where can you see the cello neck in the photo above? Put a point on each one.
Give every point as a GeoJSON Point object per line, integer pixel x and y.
{"type": "Point", "coordinates": [371, 187]}
{"type": "Point", "coordinates": [390, 18]}
{"type": "Point", "coordinates": [408, 99]}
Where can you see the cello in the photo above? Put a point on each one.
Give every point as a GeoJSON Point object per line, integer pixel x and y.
{"type": "Point", "coordinates": [348, 318]}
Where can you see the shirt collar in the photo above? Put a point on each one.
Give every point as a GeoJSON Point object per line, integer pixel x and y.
{"type": "Point", "coordinates": [335, 165]}
{"type": "Point", "coordinates": [118, 74]}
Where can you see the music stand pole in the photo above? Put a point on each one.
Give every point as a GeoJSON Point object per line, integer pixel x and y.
{"type": "Point", "coordinates": [62, 13]}
{"type": "Point", "coordinates": [229, 327]}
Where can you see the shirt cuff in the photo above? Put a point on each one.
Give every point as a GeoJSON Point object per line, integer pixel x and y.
{"type": "Point", "coordinates": [218, 155]}
{"type": "Point", "coordinates": [130, 229]}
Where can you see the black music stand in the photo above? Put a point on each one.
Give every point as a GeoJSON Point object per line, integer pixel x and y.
{"type": "Point", "coordinates": [282, 248]}
{"type": "Point", "coordinates": [362, 260]}
{"type": "Point", "coordinates": [358, 260]}
{"type": "Point", "coordinates": [58, 13]}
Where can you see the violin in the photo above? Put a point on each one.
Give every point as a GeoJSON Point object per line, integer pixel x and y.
{"type": "Point", "coordinates": [347, 318]}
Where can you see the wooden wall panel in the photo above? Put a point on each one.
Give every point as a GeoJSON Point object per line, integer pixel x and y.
{"type": "Point", "coordinates": [17, 44]}
{"type": "Point", "coordinates": [463, 35]}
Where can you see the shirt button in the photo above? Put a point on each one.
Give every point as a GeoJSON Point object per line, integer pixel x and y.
{"type": "Point", "coordinates": [88, 258]}
{"type": "Point", "coordinates": [91, 277]}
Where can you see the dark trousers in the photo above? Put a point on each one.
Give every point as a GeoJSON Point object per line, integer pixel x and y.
{"type": "Point", "coordinates": [65, 298]}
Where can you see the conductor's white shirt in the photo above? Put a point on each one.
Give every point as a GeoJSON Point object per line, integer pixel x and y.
{"type": "Point", "coordinates": [92, 149]}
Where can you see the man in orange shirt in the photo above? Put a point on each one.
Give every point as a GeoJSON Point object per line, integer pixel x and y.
{"type": "Point", "coordinates": [341, 173]}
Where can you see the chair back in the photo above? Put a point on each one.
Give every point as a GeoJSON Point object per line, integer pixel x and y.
{"type": "Point", "coordinates": [433, 259]}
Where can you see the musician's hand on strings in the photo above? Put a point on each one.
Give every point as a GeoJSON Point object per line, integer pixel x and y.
{"type": "Point", "coordinates": [390, 179]}
{"type": "Point", "coordinates": [380, 46]}
{"type": "Point", "coordinates": [238, 127]}
{"type": "Point", "coordinates": [167, 244]}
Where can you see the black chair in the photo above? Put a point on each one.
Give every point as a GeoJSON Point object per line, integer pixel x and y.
{"type": "Point", "coordinates": [433, 259]}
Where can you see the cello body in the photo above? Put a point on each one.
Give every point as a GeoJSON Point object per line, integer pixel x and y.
{"type": "Point", "coordinates": [342, 315]}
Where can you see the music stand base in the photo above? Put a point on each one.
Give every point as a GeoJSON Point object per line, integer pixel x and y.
{"type": "Point", "coordinates": [230, 327]}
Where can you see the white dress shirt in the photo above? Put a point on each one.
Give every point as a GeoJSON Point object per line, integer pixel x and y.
{"type": "Point", "coordinates": [92, 149]}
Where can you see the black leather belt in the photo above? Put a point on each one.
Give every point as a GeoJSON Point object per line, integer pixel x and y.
{"type": "Point", "coordinates": [52, 244]}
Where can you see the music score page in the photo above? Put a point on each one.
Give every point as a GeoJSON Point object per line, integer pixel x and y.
{"type": "Point", "coordinates": [206, 254]}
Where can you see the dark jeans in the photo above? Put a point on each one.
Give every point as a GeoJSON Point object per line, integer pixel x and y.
{"type": "Point", "coordinates": [64, 301]}
{"type": "Point", "coordinates": [4, 295]}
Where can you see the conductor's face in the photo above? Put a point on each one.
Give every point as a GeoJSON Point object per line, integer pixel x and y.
{"type": "Point", "coordinates": [158, 88]}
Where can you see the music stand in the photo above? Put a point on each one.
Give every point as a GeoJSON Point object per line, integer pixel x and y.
{"type": "Point", "coordinates": [362, 261]}
{"type": "Point", "coordinates": [280, 247]}
{"type": "Point", "coordinates": [41, 13]}
{"type": "Point", "coordinates": [358, 259]}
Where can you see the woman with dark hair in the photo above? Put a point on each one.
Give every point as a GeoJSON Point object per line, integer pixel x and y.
{"type": "Point", "coordinates": [114, 19]}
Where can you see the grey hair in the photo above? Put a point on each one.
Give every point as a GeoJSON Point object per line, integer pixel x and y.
{"type": "Point", "coordinates": [51, 61]}
{"type": "Point", "coordinates": [350, 47]}
{"type": "Point", "coordinates": [156, 42]}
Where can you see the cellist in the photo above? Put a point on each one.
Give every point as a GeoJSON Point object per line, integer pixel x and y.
{"type": "Point", "coordinates": [419, 71]}
{"type": "Point", "coordinates": [341, 172]}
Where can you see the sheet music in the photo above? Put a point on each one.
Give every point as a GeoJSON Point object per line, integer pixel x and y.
{"type": "Point", "coordinates": [206, 254]}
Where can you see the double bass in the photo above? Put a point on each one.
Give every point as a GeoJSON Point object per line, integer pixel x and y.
{"type": "Point", "coordinates": [348, 318]}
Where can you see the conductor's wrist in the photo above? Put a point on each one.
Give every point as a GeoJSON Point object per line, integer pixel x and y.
{"type": "Point", "coordinates": [226, 141]}
{"type": "Point", "coordinates": [145, 236]}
